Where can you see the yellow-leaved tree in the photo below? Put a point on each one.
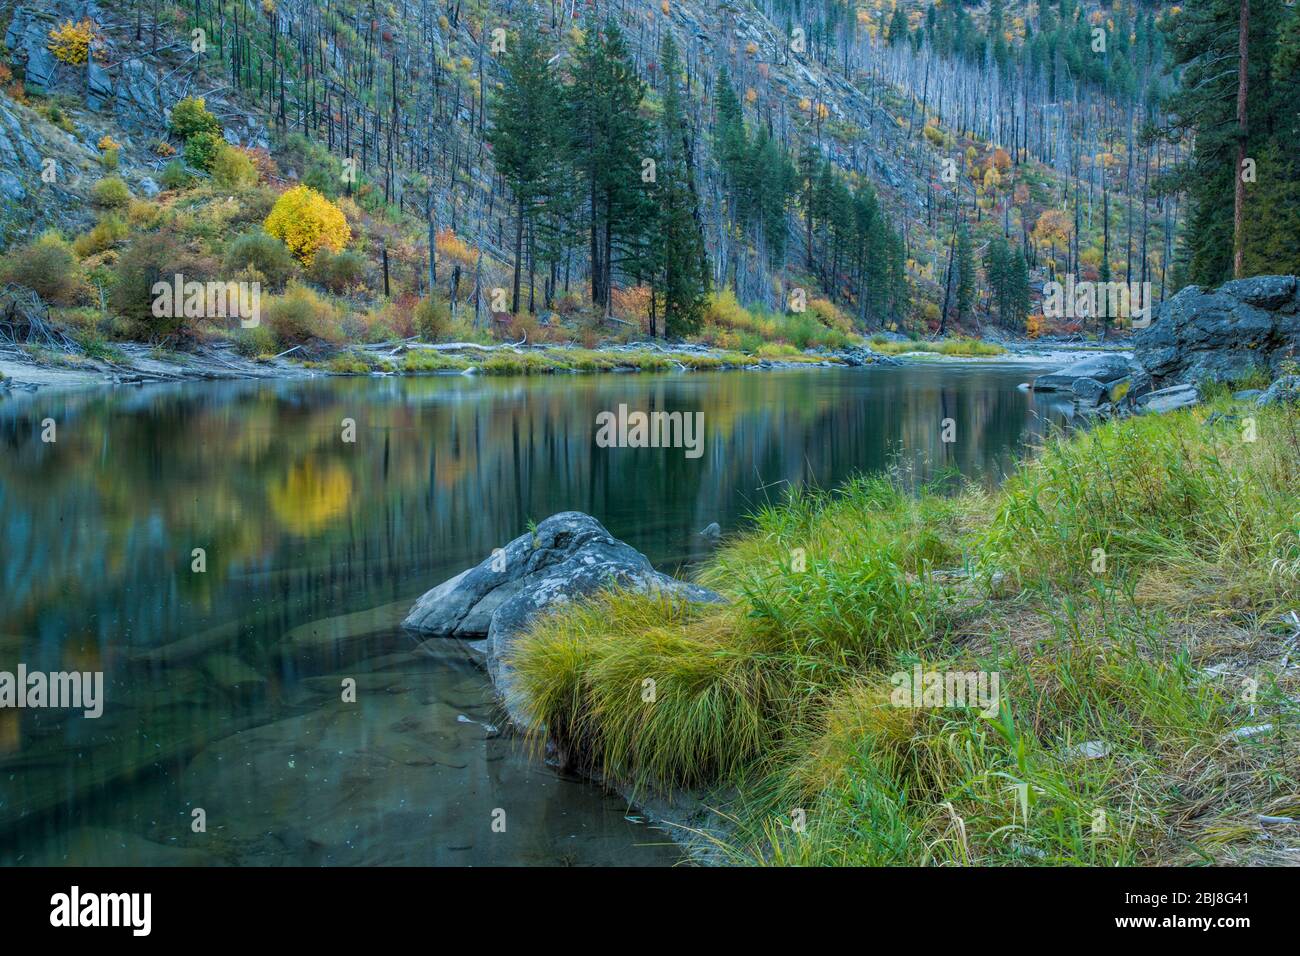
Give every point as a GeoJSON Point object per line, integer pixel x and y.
{"type": "Point", "coordinates": [306, 222]}
{"type": "Point", "coordinates": [70, 42]}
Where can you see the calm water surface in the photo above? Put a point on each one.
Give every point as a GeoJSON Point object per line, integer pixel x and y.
{"type": "Point", "coordinates": [223, 688]}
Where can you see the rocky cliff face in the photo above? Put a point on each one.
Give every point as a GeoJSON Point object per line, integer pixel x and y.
{"type": "Point", "coordinates": [124, 90]}
{"type": "Point", "coordinates": [1243, 327]}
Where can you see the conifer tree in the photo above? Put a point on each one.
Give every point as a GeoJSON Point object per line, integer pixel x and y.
{"type": "Point", "coordinates": [610, 142]}
{"type": "Point", "coordinates": [681, 264]}
{"type": "Point", "coordinates": [523, 135]}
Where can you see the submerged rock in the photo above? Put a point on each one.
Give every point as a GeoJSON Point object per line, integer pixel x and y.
{"type": "Point", "coordinates": [569, 555]}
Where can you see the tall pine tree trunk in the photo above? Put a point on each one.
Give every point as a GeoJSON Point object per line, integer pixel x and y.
{"type": "Point", "coordinates": [519, 251]}
{"type": "Point", "coordinates": [1239, 196]}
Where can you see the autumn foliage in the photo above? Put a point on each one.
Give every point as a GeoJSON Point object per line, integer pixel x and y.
{"type": "Point", "coordinates": [70, 42]}
{"type": "Point", "coordinates": [307, 222]}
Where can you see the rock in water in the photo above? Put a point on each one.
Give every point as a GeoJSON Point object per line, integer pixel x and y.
{"type": "Point", "coordinates": [570, 555]}
{"type": "Point", "coordinates": [1088, 390]}
{"type": "Point", "coordinates": [1101, 368]}
{"type": "Point", "coordinates": [712, 532]}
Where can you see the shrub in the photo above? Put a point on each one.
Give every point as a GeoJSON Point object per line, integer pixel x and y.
{"type": "Point", "coordinates": [111, 193]}
{"type": "Point", "coordinates": [306, 222]}
{"type": "Point", "coordinates": [432, 318]}
{"type": "Point", "coordinates": [110, 230]}
{"type": "Point", "coordinates": [151, 258]}
{"type": "Point", "coordinates": [48, 266]}
{"type": "Point", "coordinates": [337, 271]}
{"type": "Point", "coordinates": [143, 214]}
{"type": "Point", "coordinates": [301, 315]}
{"type": "Point", "coordinates": [233, 168]}
{"type": "Point", "coordinates": [191, 116]}
{"type": "Point", "coordinates": [202, 150]}
{"type": "Point", "coordinates": [70, 42]}
{"type": "Point", "coordinates": [255, 342]}
{"type": "Point", "coordinates": [267, 254]}
{"type": "Point", "coordinates": [176, 176]}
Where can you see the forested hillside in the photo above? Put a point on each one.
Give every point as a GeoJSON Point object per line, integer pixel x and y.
{"type": "Point", "coordinates": [788, 171]}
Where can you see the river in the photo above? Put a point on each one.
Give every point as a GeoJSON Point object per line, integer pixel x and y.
{"type": "Point", "coordinates": [231, 563]}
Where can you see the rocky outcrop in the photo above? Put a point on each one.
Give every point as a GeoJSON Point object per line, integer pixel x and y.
{"type": "Point", "coordinates": [1285, 389]}
{"type": "Point", "coordinates": [1244, 327]}
{"type": "Point", "coordinates": [570, 555]}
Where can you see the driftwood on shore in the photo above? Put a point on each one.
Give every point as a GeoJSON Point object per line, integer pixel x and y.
{"type": "Point", "coordinates": [394, 346]}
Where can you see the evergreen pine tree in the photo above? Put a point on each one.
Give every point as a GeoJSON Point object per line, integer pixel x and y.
{"type": "Point", "coordinates": [610, 140]}
{"type": "Point", "coordinates": [681, 266]}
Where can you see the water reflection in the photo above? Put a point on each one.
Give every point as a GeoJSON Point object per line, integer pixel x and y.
{"type": "Point", "coordinates": [224, 687]}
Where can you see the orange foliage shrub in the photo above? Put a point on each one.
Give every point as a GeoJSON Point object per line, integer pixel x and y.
{"type": "Point", "coordinates": [453, 247]}
{"type": "Point", "coordinates": [632, 305]}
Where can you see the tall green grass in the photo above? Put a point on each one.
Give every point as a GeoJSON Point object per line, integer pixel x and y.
{"type": "Point", "coordinates": [781, 697]}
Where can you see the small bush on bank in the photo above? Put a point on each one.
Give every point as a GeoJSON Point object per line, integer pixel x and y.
{"type": "Point", "coordinates": [176, 176]}
{"type": "Point", "coordinates": [202, 150]}
{"type": "Point", "coordinates": [266, 254]}
{"type": "Point", "coordinates": [432, 318]}
{"type": "Point", "coordinates": [110, 230]}
{"type": "Point", "coordinates": [151, 258]}
{"type": "Point", "coordinates": [257, 342]}
{"type": "Point", "coordinates": [48, 266]}
{"type": "Point", "coordinates": [299, 316]}
{"type": "Point", "coordinates": [337, 272]}
{"type": "Point", "coordinates": [232, 168]}
{"type": "Point", "coordinates": [191, 116]}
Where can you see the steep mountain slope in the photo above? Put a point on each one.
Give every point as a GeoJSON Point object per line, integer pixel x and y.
{"type": "Point", "coordinates": [405, 92]}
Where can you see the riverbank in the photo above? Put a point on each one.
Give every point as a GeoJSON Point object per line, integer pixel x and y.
{"type": "Point", "coordinates": [1129, 594]}
{"type": "Point", "coordinates": [136, 364]}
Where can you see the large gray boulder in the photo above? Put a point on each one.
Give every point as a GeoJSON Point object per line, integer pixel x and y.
{"type": "Point", "coordinates": [570, 555]}
{"type": "Point", "coordinates": [1243, 327]}
{"type": "Point", "coordinates": [1104, 369]}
